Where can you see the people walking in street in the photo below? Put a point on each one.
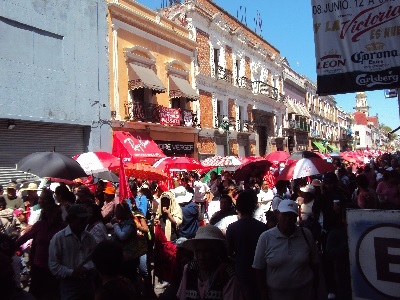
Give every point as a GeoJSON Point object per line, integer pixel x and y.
{"type": "Point", "coordinates": [242, 237]}
{"type": "Point", "coordinates": [286, 254]}
{"type": "Point", "coordinates": [169, 216]}
{"type": "Point", "coordinates": [125, 234]}
{"type": "Point", "coordinates": [209, 276]}
{"type": "Point", "coordinates": [43, 285]}
{"type": "Point", "coordinates": [70, 256]}
{"type": "Point", "coordinates": [108, 260]}
{"type": "Point", "coordinates": [11, 198]}
{"type": "Point", "coordinates": [108, 208]}
{"type": "Point", "coordinates": [190, 212]}
{"type": "Point", "coordinates": [226, 209]}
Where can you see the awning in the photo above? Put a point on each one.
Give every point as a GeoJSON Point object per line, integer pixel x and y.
{"type": "Point", "coordinates": [135, 147]}
{"type": "Point", "coordinates": [320, 147]}
{"type": "Point", "coordinates": [179, 87]}
{"type": "Point", "coordinates": [142, 77]}
{"type": "Point", "coordinates": [333, 148]}
{"type": "Point", "coordinates": [292, 108]}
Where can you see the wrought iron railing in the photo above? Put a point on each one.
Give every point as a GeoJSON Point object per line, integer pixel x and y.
{"type": "Point", "coordinates": [244, 83]}
{"type": "Point", "coordinates": [260, 87]}
{"type": "Point", "coordinates": [224, 74]}
{"type": "Point", "coordinates": [149, 112]}
{"type": "Point", "coordinates": [293, 124]}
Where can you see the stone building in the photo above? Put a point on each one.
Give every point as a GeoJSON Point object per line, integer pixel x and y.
{"type": "Point", "coordinates": [297, 123]}
{"type": "Point", "coordinates": [54, 79]}
{"type": "Point", "coordinates": [239, 78]}
{"type": "Point", "coordinates": [153, 95]}
{"type": "Point", "coordinates": [324, 130]}
{"type": "Point", "coordinates": [366, 127]}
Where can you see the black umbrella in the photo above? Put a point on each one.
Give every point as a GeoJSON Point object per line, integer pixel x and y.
{"type": "Point", "coordinates": [302, 154]}
{"type": "Point", "coordinates": [51, 164]}
{"type": "Point", "coordinates": [107, 175]}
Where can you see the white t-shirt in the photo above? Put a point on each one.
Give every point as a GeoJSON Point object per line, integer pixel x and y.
{"type": "Point", "coordinates": [265, 196]}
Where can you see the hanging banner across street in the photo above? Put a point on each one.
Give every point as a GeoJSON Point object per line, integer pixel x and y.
{"type": "Point", "coordinates": [357, 45]}
{"type": "Point", "coordinates": [374, 252]}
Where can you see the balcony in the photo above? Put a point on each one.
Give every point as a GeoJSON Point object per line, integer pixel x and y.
{"type": "Point", "coordinates": [149, 112]}
{"type": "Point", "coordinates": [224, 74]}
{"type": "Point", "coordinates": [293, 124]}
{"type": "Point", "coordinates": [260, 87]}
{"type": "Point", "coordinates": [244, 83]}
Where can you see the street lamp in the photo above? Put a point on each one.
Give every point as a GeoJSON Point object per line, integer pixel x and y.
{"type": "Point", "coordinates": [224, 128]}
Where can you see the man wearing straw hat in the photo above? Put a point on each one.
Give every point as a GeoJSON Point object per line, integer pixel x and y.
{"type": "Point", "coordinates": [208, 276]}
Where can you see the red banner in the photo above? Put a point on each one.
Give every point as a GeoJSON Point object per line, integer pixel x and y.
{"type": "Point", "coordinates": [170, 116]}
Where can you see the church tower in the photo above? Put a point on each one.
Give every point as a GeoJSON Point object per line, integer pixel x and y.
{"type": "Point", "coordinates": [362, 104]}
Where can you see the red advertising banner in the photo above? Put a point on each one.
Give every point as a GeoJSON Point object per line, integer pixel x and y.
{"type": "Point", "coordinates": [357, 45]}
{"type": "Point", "coordinates": [170, 116]}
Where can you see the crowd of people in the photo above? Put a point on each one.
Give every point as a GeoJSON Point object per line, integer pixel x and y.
{"type": "Point", "coordinates": [219, 239]}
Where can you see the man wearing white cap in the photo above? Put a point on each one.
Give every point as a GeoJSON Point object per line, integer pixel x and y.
{"type": "Point", "coordinates": [286, 254]}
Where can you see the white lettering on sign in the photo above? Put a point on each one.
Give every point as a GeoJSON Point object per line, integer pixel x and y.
{"type": "Point", "coordinates": [140, 147]}
{"type": "Point", "coordinates": [378, 258]}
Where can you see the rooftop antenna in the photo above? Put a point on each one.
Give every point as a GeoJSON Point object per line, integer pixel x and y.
{"type": "Point", "coordinates": [242, 13]}
{"type": "Point", "coordinates": [258, 21]}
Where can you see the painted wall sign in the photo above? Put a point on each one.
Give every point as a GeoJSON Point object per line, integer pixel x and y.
{"type": "Point", "coordinates": [356, 45]}
{"type": "Point", "coordinates": [374, 244]}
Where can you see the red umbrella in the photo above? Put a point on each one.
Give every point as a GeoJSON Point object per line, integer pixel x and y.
{"type": "Point", "coordinates": [144, 171]}
{"type": "Point", "coordinates": [277, 156]}
{"type": "Point", "coordinates": [305, 167]}
{"type": "Point", "coordinates": [178, 163]}
{"type": "Point", "coordinates": [99, 161]}
{"type": "Point", "coordinates": [257, 166]}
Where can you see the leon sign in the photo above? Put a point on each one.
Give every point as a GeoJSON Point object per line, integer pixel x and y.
{"type": "Point", "coordinates": [357, 45]}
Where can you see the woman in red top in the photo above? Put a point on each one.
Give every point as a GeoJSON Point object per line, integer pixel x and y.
{"type": "Point", "coordinates": [43, 284]}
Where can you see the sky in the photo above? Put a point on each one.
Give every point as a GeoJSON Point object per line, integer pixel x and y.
{"type": "Point", "coordinates": [288, 26]}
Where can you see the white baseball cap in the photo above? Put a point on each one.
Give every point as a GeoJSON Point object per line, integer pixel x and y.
{"type": "Point", "coordinates": [288, 206]}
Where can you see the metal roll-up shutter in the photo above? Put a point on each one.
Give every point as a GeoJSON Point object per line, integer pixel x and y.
{"type": "Point", "coordinates": [28, 137]}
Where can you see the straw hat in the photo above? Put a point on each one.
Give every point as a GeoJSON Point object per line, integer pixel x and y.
{"type": "Point", "coordinates": [31, 187]}
{"type": "Point", "coordinates": [205, 233]}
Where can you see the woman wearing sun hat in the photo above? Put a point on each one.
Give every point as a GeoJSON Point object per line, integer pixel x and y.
{"type": "Point", "coordinates": [208, 276]}
{"type": "Point", "coordinates": [286, 259]}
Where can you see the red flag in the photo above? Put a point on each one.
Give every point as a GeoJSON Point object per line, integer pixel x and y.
{"type": "Point", "coordinates": [124, 190]}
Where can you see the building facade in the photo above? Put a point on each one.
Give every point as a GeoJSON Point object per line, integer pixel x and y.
{"type": "Point", "coordinates": [324, 130]}
{"type": "Point", "coordinates": [239, 78]}
{"type": "Point", "coordinates": [366, 127]}
{"type": "Point", "coordinates": [153, 93]}
{"type": "Point", "coordinates": [297, 121]}
{"type": "Point", "coordinates": [54, 78]}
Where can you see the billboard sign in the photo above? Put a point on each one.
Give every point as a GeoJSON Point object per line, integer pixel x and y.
{"type": "Point", "coordinates": [357, 45]}
{"type": "Point", "coordinates": [374, 250]}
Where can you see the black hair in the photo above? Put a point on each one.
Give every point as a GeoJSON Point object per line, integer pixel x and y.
{"type": "Point", "coordinates": [126, 210]}
{"type": "Point", "coordinates": [362, 181]}
{"type": "Point", "coordinates": [107, 258]}
{"type": "Point", "coordinates": [246, 202]}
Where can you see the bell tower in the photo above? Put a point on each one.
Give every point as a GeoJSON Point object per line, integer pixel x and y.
{"type": "Point", "coordinates": [362, 104]}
